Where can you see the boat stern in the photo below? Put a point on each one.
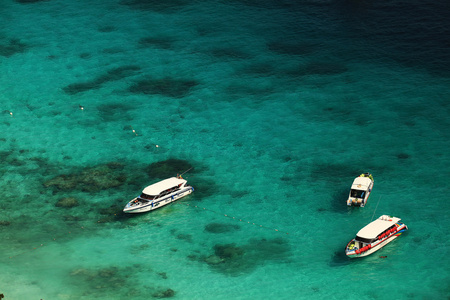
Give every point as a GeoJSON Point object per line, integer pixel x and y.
{"type": "Point", "coordinates": [355, 201]}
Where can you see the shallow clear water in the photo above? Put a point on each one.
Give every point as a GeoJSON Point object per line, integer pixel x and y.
{"type": "Point", "coordinates": [276, 105]}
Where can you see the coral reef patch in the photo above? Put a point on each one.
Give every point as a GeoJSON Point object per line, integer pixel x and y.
{"type": "Point", "coordinates": [234, 260]}
{"type": "Point", "coordinates": [67, 202]}
{"type": "Point", "coordinates": [164, 294]}
{"type": "Point", "coordinates": [12, 46]}
{"type": "Point", "coordinates": [107, 282]}
{"type": "Point", "coordinates": [170, 87]}
{"type": "Point", "coordinates": [90, 179]}
{"type": "Point", "coordinates": [114, 74]}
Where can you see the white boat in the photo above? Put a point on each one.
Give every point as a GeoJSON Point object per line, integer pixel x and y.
{"type": "Point", "coordinates": [375, 236]}
{"type": "Point", "coordinates": [159, 194]}
{"type": "Point", "coordinates": [360, 190]}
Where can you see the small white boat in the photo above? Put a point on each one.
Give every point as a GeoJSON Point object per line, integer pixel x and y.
{"type": "Point", "coordinates": [159, 194]}
{"type": "Point", "coordinates": [360, 190]}
{"type": "Point", "coordinates": [375, 236]}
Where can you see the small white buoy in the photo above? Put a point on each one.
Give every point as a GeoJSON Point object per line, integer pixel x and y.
{"type": "Point", "coordinates": [134, 131]}
{"type": "Point", "coordinates": [81, 107]}
{"type": "Point", "coordinates": [157, 146]}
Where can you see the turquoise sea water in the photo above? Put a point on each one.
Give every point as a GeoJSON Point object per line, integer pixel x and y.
{"type": "Point", "coordinates": [276, 105]}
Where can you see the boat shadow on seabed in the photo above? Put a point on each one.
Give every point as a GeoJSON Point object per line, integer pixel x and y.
{"type": "Point", "coordinates": [338, 203]}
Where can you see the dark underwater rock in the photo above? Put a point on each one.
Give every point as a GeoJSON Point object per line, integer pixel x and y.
{"type": "Point", "coordinates": [5, 223]}
{"type": "Point", "coordinates": [164, 294]}
{"type": "Point", "coordinates": [67, 202]}
{"type": "Point", "coordinates": [402, 156]}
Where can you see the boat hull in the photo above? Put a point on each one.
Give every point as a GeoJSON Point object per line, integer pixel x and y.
{"type": "Point", "coordinates": [155, 204]}
{"type": "Point", "coordinates": [374, 247]}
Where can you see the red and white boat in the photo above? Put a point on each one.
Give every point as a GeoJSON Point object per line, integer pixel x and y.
{"type": "Point", "coordinates": [375, 236]}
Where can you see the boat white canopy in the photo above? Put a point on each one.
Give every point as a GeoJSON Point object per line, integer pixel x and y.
{"type": "Point", "coordinates": [165, 184]}
{"type": "Point", "coordinates": [361, 183]}
{"type": "Point", "coordinates": [373, 229]}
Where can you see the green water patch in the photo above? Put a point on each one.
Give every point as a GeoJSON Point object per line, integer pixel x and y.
{"type": "Point", "coordinates": [169, 168]}
{"type": "Point", "coordinates": [321, 68]}
{"type": "Point", "coordinates": [339, 258]}
{"type": "Point", "coordinates": [292, 48]}
{"type": "Point", "coordinates": [106, 28]}
{"type": "Point", "coordinates": [169, 6]}
{"type": "Point", "coordinates": [85, 55]}
{"type": "Point", "coordinates": [221, 228]}
{"type": "Point", "coordinates": [260, 69]}
{"type": "Point", "coordinates": [160, 42]}
{"type": "Point", "coordinates": [229, 53]}
{"type": "Point", "coordinates": [205, 188]}
{"type": "Point", "coordinates": [342, 172]}
{"type": "Point", "coordinates": [234, 260]}
{"type": "Point", "coordinates": [346, 110]}
{"type": "Point", "coordinates": [30, 1]}
{"type": "Point", "coordinates": [111, 75]}
{"type": "Point", "coordinates": [403, 156]}
{"type": "Point", "coordinates": [181, 236]}
{"type": "Point", "coordinates": [114, 112]}
{"type": "Point", "coordinates": [10, 47]}
{"type": "Point", "coordinates": [168, 86]}
{"type": "Point", "coordinates": [338, 201]}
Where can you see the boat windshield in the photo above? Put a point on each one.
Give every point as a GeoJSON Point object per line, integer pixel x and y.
{"type": "Point", "coordinates": [147, 197]}
{"type": "Point", "coordinates": [357, 193]}
{"type": "Point", "coordinates": [364, 240]}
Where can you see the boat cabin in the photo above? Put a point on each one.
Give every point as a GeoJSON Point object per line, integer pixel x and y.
{"type": "Point", "coordinates": [377, 230]}
{"type": "Point", "coordinates": [360, 190]}
{"type": "Point", "coordinates": [162, 188]}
